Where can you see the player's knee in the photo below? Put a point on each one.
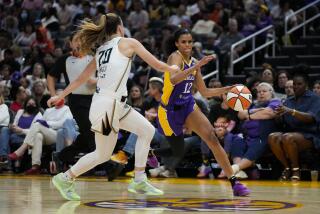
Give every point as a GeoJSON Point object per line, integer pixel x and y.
{"type": "Point", "coordinates": [148, 131]}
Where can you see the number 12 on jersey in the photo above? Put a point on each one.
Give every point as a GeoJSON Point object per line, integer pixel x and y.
{"type": "Point", "coordinates": [104, 56]}
{"type": "Point", "coordinates": [187, 87]}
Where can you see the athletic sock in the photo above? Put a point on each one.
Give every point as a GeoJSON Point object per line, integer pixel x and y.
{"type": "Point", "coordinates": [139, 176]}
{"type": "Point", "coordinates": [233, 180]}
{"type": "Point", "coordinates": [66, 176]}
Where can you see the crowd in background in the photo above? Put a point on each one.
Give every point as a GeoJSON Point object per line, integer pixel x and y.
{"type": "Point", "coordinates": [35, 34]}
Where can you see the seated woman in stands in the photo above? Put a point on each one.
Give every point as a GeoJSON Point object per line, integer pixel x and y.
{"type": "Point", "coordinates": [259, 123]}
{"type": "Point", "coordinates": [300, 116]}
{"type": "Point", "coordinates": [23, 120]}
{"type": "Point", "coordinates": [4, 129]}
{"type": "Point", "coordinates": [42, 132]}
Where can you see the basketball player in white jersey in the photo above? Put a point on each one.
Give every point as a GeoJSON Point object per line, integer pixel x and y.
{"type": "Point", "coordinates": [109, 112]}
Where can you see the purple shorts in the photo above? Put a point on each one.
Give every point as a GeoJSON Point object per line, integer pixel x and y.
{"type": "Point", "coordinates": [171, 118]}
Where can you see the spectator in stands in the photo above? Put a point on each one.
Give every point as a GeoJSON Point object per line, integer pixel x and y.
{"type": "Point", "coordinates": [219, 15]}
{"type": "Point", "coordinates": [264, 18]}
{"type": "Point", "coordinates": [50, 21]}
{"type": "Point", "coordinates": [37, 74]}
{"type": "Point", "coordinates": [300, 119]}
{"type": "Point", "coordinates": [64, 15]}
{"type": "Point", "coordinates": [267, 74]}
{"type": "Point", "coordinates": [223, 46]}
{"type": "Point", "coordinates": [32, 4]}
{"type": "Point", "coordinates": [25, 38]}
{"type": "Point", "coordinates": [9, 60]}
{"type": "Point", "coordinates": [4, 130]}
{"type": "Point", "coordinates": [39, 93]}
{"type": "Point", "coordinates": [289, 88]}
{"type": "Point", "coordinates": [180, 16]}
{"type": "Point", "coordinates": [135, 98]}
{"type": "Point", "coordinates": [316, 87]}
{"type": "Point", "coordinates": [156, 10]}
{"type": "Point", "coordinates": [10, 24]}
{"type": "Point", "coordinates": [42, 41]}
{"type": "Point", "coordinates": [282, 78]}
{"type": "Point", "coordinates": [23, 120]}
{"type": "Point", "coordinates": [259, 123]}
{"type": "Point", "coordinates": [5, 79]}
{"type": "Point", "coordinates": [20, 98]}
{"type": "Point", "coordinates": [24, 82]}
{"type": "Point", "coordinates": [67, 134]}
{"type": "Point", "coordinates": [279, 14]}
{"type": "Point", "coordinates": [221, 130]}
{"type": "Point", "coordinates": [42, 132]}
{"type": "Point", "coordinates": [83, 13]}
{"type": "Point", "coordinates": [203, 26]}
{"type": "Point", "coordinates": [138, 18]}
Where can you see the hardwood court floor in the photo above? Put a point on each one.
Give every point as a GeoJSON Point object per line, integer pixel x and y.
{"type": "Point", "coordinates": [36, 195]}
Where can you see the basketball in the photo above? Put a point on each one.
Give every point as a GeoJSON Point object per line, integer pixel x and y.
{"type": "Point", "coordinates": [239, 98]}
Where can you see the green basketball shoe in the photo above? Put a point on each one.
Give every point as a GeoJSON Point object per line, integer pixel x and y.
{"type": "Point", "coordinates": [143, 187]}
{"type": "Point", "coordinates": [66, 188]}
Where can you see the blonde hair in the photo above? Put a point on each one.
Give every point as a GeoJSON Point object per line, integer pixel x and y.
{"type": "Point", "coordinates": [269, 87]}
{"type": "Point", "coordinates": [92, 35]}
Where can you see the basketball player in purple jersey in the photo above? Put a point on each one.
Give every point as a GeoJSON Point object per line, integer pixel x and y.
{"type": "Point", "coordinates": [178, 108]}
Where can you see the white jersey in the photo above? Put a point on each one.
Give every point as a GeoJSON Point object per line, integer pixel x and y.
{"type": "Point", "coordinates": [113, 68]}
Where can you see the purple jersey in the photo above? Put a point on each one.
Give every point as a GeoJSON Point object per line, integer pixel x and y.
{"type": "Point", "coordinates": [180, 93]}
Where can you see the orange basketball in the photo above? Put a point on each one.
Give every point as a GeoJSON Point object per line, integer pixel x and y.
{"type": "Point", "coordinates": [239, 98]}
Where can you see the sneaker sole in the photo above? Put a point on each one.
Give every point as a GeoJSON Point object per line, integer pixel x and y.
{"type": "Point", "coordinates": [135, 192]}
{"type": "Point", "coordinates": [62, 192]}
{"type": "Point", "coordinates": [117, 161]}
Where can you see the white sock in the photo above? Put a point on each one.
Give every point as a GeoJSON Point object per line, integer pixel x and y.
{"type": "Point", "coordinates": [139, 176]}
{"type": "Point", "coordinates": [235, 168]}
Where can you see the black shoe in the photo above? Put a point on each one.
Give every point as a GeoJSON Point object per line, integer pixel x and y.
{"type": "Point", "coordinates": [113, 170]}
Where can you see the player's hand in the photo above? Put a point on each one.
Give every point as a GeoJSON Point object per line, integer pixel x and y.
{"type": "Point", "coordinates": [54, 100]}
{"type": "Point", "coordinates": [205, 60]}
{"type": "Point", "coordinates": [226, 89]}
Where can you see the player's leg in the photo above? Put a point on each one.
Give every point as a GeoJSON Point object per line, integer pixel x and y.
{"type": "Point", "coordinates": [197, 122]}
{"type": "Point", "coordinates": [64, 182]}
{"type": "Point", "coordinates": [137, 124]}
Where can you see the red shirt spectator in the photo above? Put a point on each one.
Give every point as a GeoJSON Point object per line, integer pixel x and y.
{"type": "Point", "coordinates": [42, 41]}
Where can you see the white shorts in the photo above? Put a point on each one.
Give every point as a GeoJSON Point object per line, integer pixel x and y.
{"type": "Point", "coordinates": [105, 111]}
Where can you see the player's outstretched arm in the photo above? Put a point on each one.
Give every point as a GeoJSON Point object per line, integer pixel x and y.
{"type": "Point", "coordinates": [176, 59]}
{"type": "Point", "coordinates": [84, 76]}
{"type": "Point", "coordinates": [209, 92]}
{"type": "Point", "coordinates": [142, 52]}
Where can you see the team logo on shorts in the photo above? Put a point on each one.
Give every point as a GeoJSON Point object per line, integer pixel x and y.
{"type": "Point", "coordinates": [192, 204]}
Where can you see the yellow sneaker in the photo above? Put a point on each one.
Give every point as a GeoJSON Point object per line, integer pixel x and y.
{"type": "Point", "coordinates": [130, 174]}
{"type": "Point", "coordinates": [120, 157]}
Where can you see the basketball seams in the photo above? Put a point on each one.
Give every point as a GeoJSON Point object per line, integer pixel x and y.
{"type": "Point", "coordinates": [239, 98]}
